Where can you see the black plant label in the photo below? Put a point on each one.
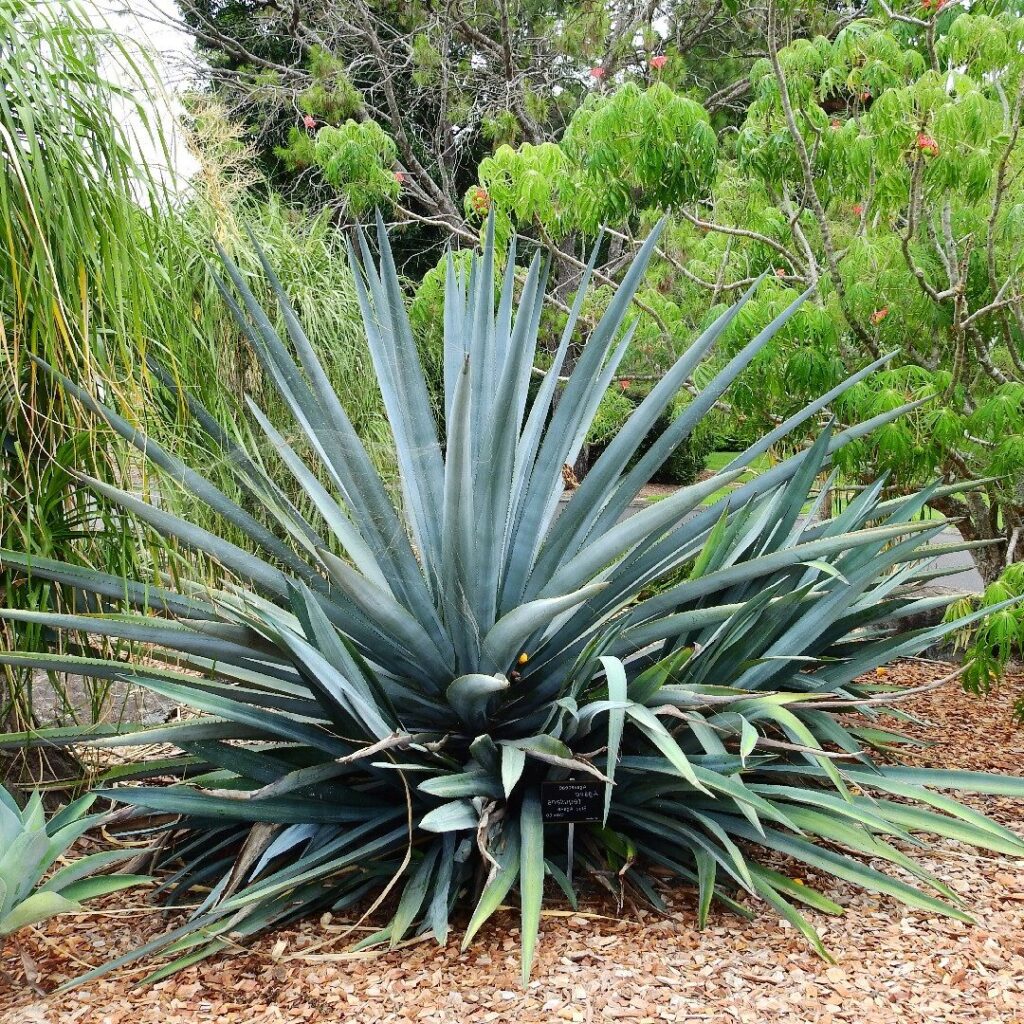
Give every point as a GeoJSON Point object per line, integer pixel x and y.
{"type": "Point", "coordinates": [572, 801]}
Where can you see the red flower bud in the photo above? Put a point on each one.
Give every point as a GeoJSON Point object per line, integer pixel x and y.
{"type": "Point", "coordinates": [399, 176]}
{"type": "Point", "coordinates": [926, 144]}
{"type": "Point", "coordinates": [659, 62]}
{"type": "Point", "coordinates": [597, 73]}
{"type": "Point", "coordinates": [858, 208]}
{"type": "Point", "coordinates": [879, 315]}
{"type": "Point", "coordinates": [309, 121]}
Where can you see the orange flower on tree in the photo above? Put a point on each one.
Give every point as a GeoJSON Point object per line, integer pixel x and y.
{"type": "Point", "coordinates": [479, 200]}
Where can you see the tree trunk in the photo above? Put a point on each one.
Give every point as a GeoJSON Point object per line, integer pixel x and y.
{"type": "Point", "coordinates": [976, 523]}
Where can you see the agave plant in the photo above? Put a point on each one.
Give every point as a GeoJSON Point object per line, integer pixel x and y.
{"type": "Point", "coordinates": [387, 684]}
{"type": "Point", "coordinates": [30, 845]}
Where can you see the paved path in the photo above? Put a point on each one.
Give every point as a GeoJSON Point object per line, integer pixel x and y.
{"type": "Point", "coordinates": [963, 573]}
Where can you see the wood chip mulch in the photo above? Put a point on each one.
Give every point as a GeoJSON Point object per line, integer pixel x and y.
{"type": "Point", "coordinates": [892, 963]}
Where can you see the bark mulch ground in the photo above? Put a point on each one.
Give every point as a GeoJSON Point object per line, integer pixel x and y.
{"type": "Point", "coordinates": [892, 964]}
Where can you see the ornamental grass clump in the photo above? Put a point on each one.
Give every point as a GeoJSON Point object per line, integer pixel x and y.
{"type": "Point", "coordinates": [387, 684]}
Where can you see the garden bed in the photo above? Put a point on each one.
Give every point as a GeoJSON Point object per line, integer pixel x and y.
{"type": "Point", "coordinates": [892, 964]}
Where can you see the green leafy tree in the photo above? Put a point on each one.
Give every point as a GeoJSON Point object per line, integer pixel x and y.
{"type": "Point", "coordinates": [885, 170]}
{"type": "Point", "coordinates": [881, 168]}
{"type": "Point", "coordinates": [451, 85]}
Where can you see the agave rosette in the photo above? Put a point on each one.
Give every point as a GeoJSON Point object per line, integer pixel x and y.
{"type": "Point", "coordinates": [389, 682]}
{"type": "Point", "coordinates": [34, 886]}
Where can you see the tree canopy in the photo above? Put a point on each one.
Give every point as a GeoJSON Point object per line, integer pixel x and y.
{"type": "Point", "coordinates": [871, 154]}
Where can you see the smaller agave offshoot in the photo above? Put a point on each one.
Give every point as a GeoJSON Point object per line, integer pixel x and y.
{"type": "Point", "coordinates": [31, 846]}
{"type": "Point", "coordinates": [387, 685]}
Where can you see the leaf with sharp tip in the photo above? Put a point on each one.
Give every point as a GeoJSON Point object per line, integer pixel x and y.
{"type": "Point", "coordinates": [253, 479]}
{"type": "Point", "coordinates": [827, 568]}
{"type": "Point", "coordinates": [507, 637]}
{"type": "Point", "coordinates": [199, 804]}
{"type": "Point", "coordinates": [765, 564]}
{"type": "Point", "coordinates": [392, 618]}
{"type": "Point", "coordinates": [437, 911]}
{"type": "Point", "coordinates": [400, 375]}
{"type": "Point", "coordinates": [524, 520]}
{"type": "Point", "coordinates": [617, 687]}
{"type": "Point", "coordinates": [456, 816]}
{"type": "Point", "coordinates": [849, 869]}
{"type": "Point", "coordinates": [497, 888]}
{"type": "Point", "coordinates": [531, 876]}
{"type": "Point", "coordinates": [640, 526]}
{"type": "Point", "coordinates": [281, 725]}
{"type": "Point", "coordinates": [187, 478]}
{"type": "Point", "coordinates": [770, 894]}
{"type": "Point", "coordinates": [414, 894]}
{"type": "Point", "coordinates": [649, 724]}
{"type": "Point", "coordinates": [482, 335]}
{"type": "Point", "coordinates": [141, 629]}
{"type": "Point", "coordinates": [459, 579]}
{"type": "Point", "coordinates": [499, 447]}
{"type": "Point", "coordinates": [707, 870]}
{"type": "Point", "coordinates": [230, 555]}
{"type": "Point", "coordinates": [513, 760]}
{"type": "Point", "coordinates": [139, 595]}
{"type": "Point", "coordinates": [454, 333]}
{"type": "Point", "coordinates": [339, 523]}
{"type": "Point", "coordinates": [748, 739]}
{"type": "Point", "coordinates": [670, 551]}
{"type": "Point", "coordinates": [586, 502]}
{"type": "Point", "coordinates": [330, 432]}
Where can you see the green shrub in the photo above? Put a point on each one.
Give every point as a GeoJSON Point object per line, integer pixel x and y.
{"type": "Point", "coordinates": [387, 689]}
{"type": "Point", "coordinates": [681, 467]}
{"type": "Point", "coordinates": [613, 411]}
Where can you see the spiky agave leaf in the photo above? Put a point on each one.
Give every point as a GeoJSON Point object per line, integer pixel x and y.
{"type": "Point", "coordinates": [30, 847]}
{"type": "Point", "coordinates": [386, 690]}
